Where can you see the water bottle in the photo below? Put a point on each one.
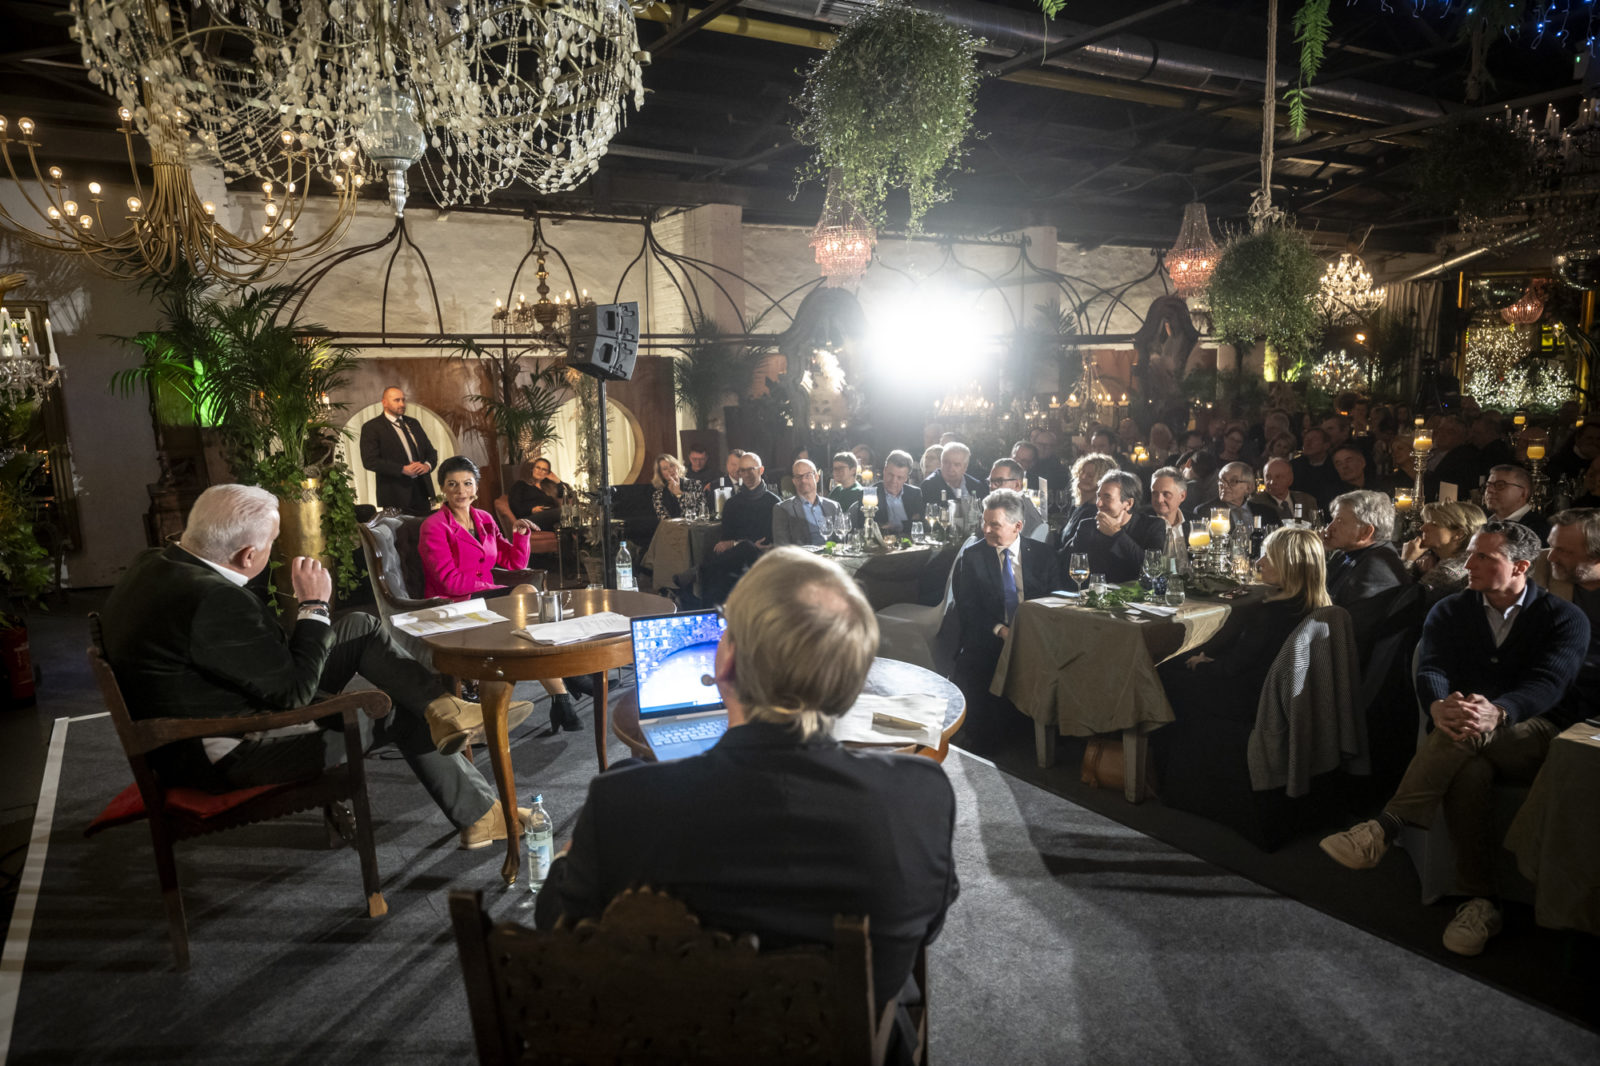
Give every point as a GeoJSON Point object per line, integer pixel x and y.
{"type": "Point", "coordinates": [625, 569]}
{"type": "Point", "coordinates": [541, 845]}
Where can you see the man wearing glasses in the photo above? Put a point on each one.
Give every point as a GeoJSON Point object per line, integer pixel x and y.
{"type": "Point", "coordinates": [1008, 474]}
{"type": "Point", "coordinates": [1236, 482]}
{"type": "Point", "coordinates": [806, 517]}
{"type": "Point", "coordinates": [1508, 497]}
{"type": "Point", "coordinates": [746, 531]}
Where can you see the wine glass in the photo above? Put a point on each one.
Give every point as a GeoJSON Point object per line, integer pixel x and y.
{"type": "Point", "coordinates": [916, 532]}
{"type": "Point", "coordinates": [1155, 563]}
{"type": "Point", "coordinates": [1078, 567]}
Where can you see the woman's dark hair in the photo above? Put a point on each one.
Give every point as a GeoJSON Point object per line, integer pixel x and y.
{"type": "Point", "coordinates": [457, 464]}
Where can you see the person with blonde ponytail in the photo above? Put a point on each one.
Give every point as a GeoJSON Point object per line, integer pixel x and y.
{"type": "Point", "coordinates": [778, 827]}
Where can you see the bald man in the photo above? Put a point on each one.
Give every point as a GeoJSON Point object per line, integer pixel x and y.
{"type": "Point", "coordinates": [394, 447]}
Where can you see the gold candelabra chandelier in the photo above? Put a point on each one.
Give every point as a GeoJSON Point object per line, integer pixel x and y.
{"type": "Point", "coordinates": [166, 226]}
{"type": "Point", "coordinates": [545, 320]}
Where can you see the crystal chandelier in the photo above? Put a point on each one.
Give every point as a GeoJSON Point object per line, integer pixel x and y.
{"type": "Point", "coordinates": [1529, 307]}
{"type": "Point", "coordinates": [1562, 194]}
{"type": "Point", "coordinates": [165, 226]}
{"type": "Point", "coordinates": [28, 369]}
{"type": "Point", "coordinates": [504, 92]}
{"type": "Point", "coordinates": [842, 241]}
{"type": "Point", "coordinates": [1347, 290]}
{"type": "Point", "coordinates": [1194, 257]}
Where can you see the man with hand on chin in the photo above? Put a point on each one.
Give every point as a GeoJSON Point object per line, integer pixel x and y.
{"type": "Point", "coordinates": [1496, 661]}
{"type": "Point", "coordinates": [1114, 537]}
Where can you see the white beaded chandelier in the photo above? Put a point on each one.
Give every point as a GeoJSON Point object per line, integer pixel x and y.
{"type": "Point", "coordinates": [504, 91]}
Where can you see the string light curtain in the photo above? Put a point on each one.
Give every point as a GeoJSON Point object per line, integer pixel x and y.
{"type": "Point", "coordinates": [505, 91]}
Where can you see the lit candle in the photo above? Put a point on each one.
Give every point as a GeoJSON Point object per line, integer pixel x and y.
{"type": "Point", "coordinates": [866, 477]}
{"type": "Point", "coordinates": [1519, 420]}
{"type": "Point", "coordinates": [1221, 522]}
{"type": "Point", "coordinates": [1536, 451]}
{"type": "Point", "coordinates": [33, 335]}
{"type": "Point", "coordinates": [1423, 442]}
{"type": "Point", "coordinates": [869, 497]}
{"type": "Point", "coordinates": [1402, 501]}
{"type": "Point", "coordinates": [50, 342]}
{"type": "Point", "coordinates": [1199, 538]}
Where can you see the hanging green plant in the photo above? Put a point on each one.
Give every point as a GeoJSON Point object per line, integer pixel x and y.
{"type": "Point", "coordinates": [890, 105]}
{"type": "Point", "coordinates": [1262, 288]}
{"type": "Point", "coordinates": [1311, 25]}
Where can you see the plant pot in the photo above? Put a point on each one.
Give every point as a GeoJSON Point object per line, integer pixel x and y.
{"type": "Point", "coordinates": [299, 533]}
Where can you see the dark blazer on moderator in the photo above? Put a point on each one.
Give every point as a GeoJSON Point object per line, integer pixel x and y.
{"type": "Point", "coordinates": [773, 836]}
{"type": "Point", "coordinates": [185, 642]}
{"type": "Point", "coordinates": [383, 453]}
{"type": "Point", "coordinates": [1119, 557]}
{"type": "Point", "coordinates": [980, 601]}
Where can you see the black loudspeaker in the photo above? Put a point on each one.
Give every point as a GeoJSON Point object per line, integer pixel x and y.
{"type": "Point", "coordinates": [604, 340]}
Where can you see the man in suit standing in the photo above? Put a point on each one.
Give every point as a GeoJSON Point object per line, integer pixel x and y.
{"type": "Point", "coordinates": [187, 639]}
{"type": "Point", "coordinates": [805, 517]}
{"type": "Point", "coordinates": [952, 479]}
{"type": "Point", "coordinates": [1365, 571]}
{"type": "Point", "coordinates": [1495, 663]}
{"type": "Point", "coordinates": [992, 576]}
{"type": "Point", "coordinates": [1115, 537]}
{"type": "Point", "coordinates": [899, 503]}
{"type": "Point", "coordinates": [394, 447]}
{"type": "Point", "coordinates": [778, 828]}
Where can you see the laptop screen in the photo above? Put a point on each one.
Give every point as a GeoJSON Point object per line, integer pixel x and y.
{"type": "Point", "coordinates": [670, 654]}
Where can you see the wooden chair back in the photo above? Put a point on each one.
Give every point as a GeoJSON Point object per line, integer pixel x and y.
{"type": "Point", "coordinates": [647, 985]}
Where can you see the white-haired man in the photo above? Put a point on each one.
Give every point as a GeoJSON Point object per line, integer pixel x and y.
{"type": "Point", "coordinates": [951, 480]}
{"type": "Point", "coordinates": [187, 639]}
{"type": "Point", "coordinates": [1281, 498]}
{"type": "Point", "coordinates": [1364, 571]}
{"type": "Point", "coordinates": [778, 828]}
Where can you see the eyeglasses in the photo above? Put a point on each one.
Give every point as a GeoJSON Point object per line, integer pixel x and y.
{"type": "Point", "coordinates": [1003, 480]}
{"type": "Point", "coordinates": [749, 469]}
{"type": "Point", "coordinates": [1502, 485]}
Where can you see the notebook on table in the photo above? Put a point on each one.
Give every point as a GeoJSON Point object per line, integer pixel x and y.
{"type": "Point", "coordinates": [679, 715]}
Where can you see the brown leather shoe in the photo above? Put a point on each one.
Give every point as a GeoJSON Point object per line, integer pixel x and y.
{"type": "Point", "coordinates": [491, 827]}
{"type": "Point", "coordinates": [454, 723]}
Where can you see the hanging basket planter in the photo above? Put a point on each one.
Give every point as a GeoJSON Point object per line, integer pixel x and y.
{"type": "Point", "coordinates": [1262, 289]}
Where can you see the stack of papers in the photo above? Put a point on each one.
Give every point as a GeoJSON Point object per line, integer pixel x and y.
{"type": "Point", "coordinates": [910, 719]}
{"type": "Point", "coordinates": [468, 614]}
{"type": "Point", "coordinates": [574, 630]}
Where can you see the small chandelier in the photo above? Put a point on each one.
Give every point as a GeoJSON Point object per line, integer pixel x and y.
{"type": "Point", "coordinates": [1347, 291]}
{"type": "Point", "coordinates": [1194, 257]}
{"type": "Point", "coordinates": [28, 369]}
{"type": "Point", "coordinates": [1529, 307]}
{"type": "Point", "coordinates": [842, 241]}
{"type": "Point", "coordinates": [167, 227]}
{"type": "Point", "coordinates": [545, 321]}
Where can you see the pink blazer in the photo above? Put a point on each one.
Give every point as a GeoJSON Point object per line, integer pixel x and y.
{"type": "Point", "coordinates": [456, 564]}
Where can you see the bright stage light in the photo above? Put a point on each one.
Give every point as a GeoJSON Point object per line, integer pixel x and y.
{"type": "Point", "coordinates": [936, 336]}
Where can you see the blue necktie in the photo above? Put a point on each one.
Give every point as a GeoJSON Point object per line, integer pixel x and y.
{"type": "Point", "coordinates": [1008, 584]}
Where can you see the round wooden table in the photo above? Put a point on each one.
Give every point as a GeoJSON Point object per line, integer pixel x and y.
{"type": "Point", "coordinates": [888, 677]}
{"type": "Point", "coordinates": [497, 658]}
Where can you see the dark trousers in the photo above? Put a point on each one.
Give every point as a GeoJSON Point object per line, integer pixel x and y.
{"type": "Point", "coordinates": [722, 571]}
{"type": "Point", "coordinates": [362, 646]}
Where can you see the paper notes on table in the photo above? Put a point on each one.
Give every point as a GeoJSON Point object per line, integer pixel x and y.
{"type": "Point", "coordinates": [908, 719]}
{"type": "Point", "coordinates": [1154, 610]}
{"type": "Point", "coordinates": [573, 630]}
{"type": "Point", "coordinates": [468, 614]}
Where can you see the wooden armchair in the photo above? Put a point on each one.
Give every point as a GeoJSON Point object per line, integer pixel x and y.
{"type": "Point", "coordinates": [646, 984]}
{"type": "Point", "coordinates": [178, 812]}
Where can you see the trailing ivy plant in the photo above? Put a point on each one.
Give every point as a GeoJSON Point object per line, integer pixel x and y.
{"type": "Point", "coordinates": [1311, 25]}
{"type": "Point", "coordinates": [1261, 290]}
{"type": "Point", "coordinates": [890, 105]}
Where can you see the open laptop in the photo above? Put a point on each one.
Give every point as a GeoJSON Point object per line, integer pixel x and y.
{"type": "Point", "coordinates": [679, 715]}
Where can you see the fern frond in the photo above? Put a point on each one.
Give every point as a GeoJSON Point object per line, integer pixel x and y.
{"type": "Point", "coordinates": [1311, 25]}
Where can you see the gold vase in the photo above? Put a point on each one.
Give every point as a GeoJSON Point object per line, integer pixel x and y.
{"type": "Point", "coordinates": [299, 533]}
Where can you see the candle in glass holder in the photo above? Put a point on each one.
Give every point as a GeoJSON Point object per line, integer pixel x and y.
{"type": "Point", "coordinates": [1199, 538]}
{"type": "Point", "coordinates": [1423, 442]}
{"type": "Point", "coordinates": [869, 497]}
{"type": "Point", "coordinates": [866, 477]}
{"type": "Point", "coordinates": [1402, 501]}
{"type": "Point", "coordinates": [1519, 420]}
{"type": "Point", "coordinates": [1536, 451]}
{"type": "Point", "coordinates": [1221, 523]}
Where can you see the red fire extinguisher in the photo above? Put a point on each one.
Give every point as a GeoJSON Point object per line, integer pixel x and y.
{"type": "Point", "coordinates": [17, 664]}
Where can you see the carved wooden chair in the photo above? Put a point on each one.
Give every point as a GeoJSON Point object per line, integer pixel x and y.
{"type": "Point", "coordinates": [646, 984]}
{"type": "Point", "coordinates": [177, 813]}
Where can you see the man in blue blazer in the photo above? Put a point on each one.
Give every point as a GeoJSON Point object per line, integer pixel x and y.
{"type": "Point", "coordinates": [1496, 661]}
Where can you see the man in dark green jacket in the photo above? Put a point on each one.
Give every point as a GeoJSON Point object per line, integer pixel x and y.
{"type": "Point", "coordinates": [187, 639]}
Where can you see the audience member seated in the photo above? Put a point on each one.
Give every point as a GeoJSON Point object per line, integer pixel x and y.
{"type": "Point", "coordinates": [1050, 466]}
{"type": "Point", "coordinates": [1167, 492]}
{"type": "Point", "coordinates": [730, 480]}
{"type": "Point", "coordinates": [1495, 664]}
{"type": "Point", "coordinates": [1437, 557]}
{"type": "Point", "coordinates": [1570, 570]}
{"type": "Point", "coordinates": [1104, 442]}
{"type": "Point", "coordinates": [1200, 469]}
{"type": "Point", "coordinates": [460, 548]}
{"type": "Point", "coordinates": [1115, 537]}
{"type": "Point", "coordinates": [778, 828]}
{"type": "Point", "coordinates": [930, 462]}
{"type": "Point", "coordinates": [952, 480]}
{"type": "Point", "coordinates": [1487, 435]}
{"type": "Point", "coordinates": [866, 459]}
{"type": "Point", "coordinates": [1453, 460]}
{"type": "Point", "coordinates": [1339, 429]}
{"type": "Point", "coordinates": [899, 503]}
{"type": "Point", "coordinates": [1163, 448]}
{"type": "Point", "coordinates": [746, 531]}
{"type": "Point", "coordinates": [1364, 569]}
{"type": "Point", "coordinates": [1086, 475]}
{"type": "Point", "coordinates": [1236, 484]}
{"type": "Point", "coordinates": [1215, 691]}
{"type": "Point", "coordinates": [992, 576]}
{"type": "Point", "coordinates": [672, 487]}
{"type": "Point", "coordinates": [1280, 499]}
{"type": "Point", "coordinates": [1402, 475]}
{"type": "Point", "coordinates": [1351, 463]}
{"type": "Point", "coordinates": [537, 495]}
{"type": "Point", "coordinates": [846, 490]}
{"type": "Point", "coordinates": [188, 640]}
{"type": "Point", "coordinates": [805, 517]}
{"type": "Point", "coordinates": [1007, 474]}
{"type": "Point", "coordinates": [1507, 497]}
{"type": "Point", "coordinates": [1314, 472]}
{"type": "Point", "coordinates": [1027, 457]}
{"type": "Point", "coordinates": [699, 468]}
{"type": "Point", "coordinates": [1589, 494]}
{"type": "Point", "coordinates": [1578, 453]}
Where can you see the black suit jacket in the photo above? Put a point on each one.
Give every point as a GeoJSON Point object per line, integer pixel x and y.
{"type": "Point", "coordinates": [910, 496]}
{"type": "Point", "coordinates": [980, 603]}
{"type": "Point", "coordinates": [934, 484]}
{"type": "Point", "coordinates": [1365, 583]}
{"type": "Point", "coordinates": [185, 642]}
{"type": "Point", "coordinates": [1119, 557]}
{"type": "Point", "coordinates": [1527, 675]}
{"type": "Point", "coordinates": [770, 835]}
{"type": "Point", "coordinates": [383, 453]}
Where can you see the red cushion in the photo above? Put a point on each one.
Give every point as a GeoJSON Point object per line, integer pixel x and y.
{"type": "Point", "coordinates": [128, 806]}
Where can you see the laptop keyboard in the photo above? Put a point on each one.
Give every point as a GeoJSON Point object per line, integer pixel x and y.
{"type": "Point", "coordinates": [683, 734]}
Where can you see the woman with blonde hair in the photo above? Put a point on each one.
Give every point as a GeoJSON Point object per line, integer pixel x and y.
{"type": "Point", "coordinates": [1437, 556]}
{"type": "Point", "coordinates": [1086, 475]}
{"type": "Point", "coordinates": [672, 487]}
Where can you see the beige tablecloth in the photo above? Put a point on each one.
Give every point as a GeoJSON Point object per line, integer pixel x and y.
{"type": "Point", "coordinates": [1556, 835]}
{"type": "Point", "coordinates": [1091, 672]}
{"type": "Point", "coordinates": [678, 545]}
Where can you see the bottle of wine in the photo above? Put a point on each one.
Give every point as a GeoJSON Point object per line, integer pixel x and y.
{"type": "Point", "coordinates": [1258, 537]}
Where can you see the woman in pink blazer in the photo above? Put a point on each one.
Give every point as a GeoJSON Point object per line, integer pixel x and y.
{"type": "Point", "coordinates": [460, 547]}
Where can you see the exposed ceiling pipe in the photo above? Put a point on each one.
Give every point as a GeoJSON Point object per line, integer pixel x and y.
{"type": "Point", "coordinates": [1129, 57]}
{"type": "Point", "coordinates": [1466, 257]}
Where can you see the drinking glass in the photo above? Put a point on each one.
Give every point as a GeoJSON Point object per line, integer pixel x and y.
{"type": "Point", "coordinates": [1097, 581]}
{"type": "Point", "coordinates": [1155, 562]}
{"type": "Point", "coordinates": [916, 532]}
{"type": "Point", "coordinates": [1078, 567]}
{"type": "Point", "coordinates": [1174, 591]}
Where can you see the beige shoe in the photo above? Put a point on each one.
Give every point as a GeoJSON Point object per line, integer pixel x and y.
{"type": "Point", "coordinates": [1475, 922]}
{"type": "Point", "coordinates": [454, 722]}
{"type": "Point", "coordinates": [1360, 847]}
{"type": "Point", "coordinates": [491, 827]}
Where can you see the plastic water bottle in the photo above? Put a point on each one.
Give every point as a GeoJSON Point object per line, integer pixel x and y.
{"type": "Point", "coordinates": [625, 581]}
{"type": "Point", "coordinates": [541, 845]}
